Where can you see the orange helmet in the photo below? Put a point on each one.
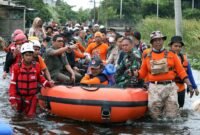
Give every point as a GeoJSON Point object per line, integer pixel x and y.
{"type": "Point", "coordinates": [20, 39]}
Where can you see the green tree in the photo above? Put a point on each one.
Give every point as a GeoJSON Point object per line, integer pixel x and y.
{"type": "Point", "coordinates": [65, 12]}
{"type": "Point", "coordinates": [130, 9]}
{"type": "Point", "coordinates": [109, 14]}
{"type": "Point", "coordinates": [83, 15]}
{"type": "Point", "coordinates": [40, 9]}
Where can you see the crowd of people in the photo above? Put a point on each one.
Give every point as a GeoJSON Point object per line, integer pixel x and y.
{"type": "Point", "coordinates": [80, 54]}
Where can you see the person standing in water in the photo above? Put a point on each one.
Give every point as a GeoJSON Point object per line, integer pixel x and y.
{"type": "Point", "coordinates": [176, 44]}
{"type": "Point", "coordinates": [161, 67]}
{"type": "Point", "coordinates": [25, 77]}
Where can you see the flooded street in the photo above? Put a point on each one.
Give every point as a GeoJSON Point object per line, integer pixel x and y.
{"type": "Point", "coordinates": [47, 124]}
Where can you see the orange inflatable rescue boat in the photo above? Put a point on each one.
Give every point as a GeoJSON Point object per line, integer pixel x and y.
{"type": "Point", "coordinates": [102, 105]}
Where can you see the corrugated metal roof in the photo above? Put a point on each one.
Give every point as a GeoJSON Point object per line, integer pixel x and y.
{"type": "Point", "coordinates": [10, 4]}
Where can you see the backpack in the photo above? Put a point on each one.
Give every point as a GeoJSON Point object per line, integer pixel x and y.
{"type": "Point", "coordinates": [142, 46]}
{"type": "Point", "coordinates": [109, 71]}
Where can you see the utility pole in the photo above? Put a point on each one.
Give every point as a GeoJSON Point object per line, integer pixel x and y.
{"type": "Point", "coordinates": [99, 11]}
{"type": "Point", "coordinates": [24, 19]}
{"type": "Point", "coordinates": [178, 17]}
{"type": "Point", "coordinates": [106, 18]}
{"type": "Point", "coordinates": [121, 9]}
{"type": "Point", "coordinates": [157, 9]}
{"type": "Point", "coordinates": [192, 4]}
{"type": "Point", "coordinates": [94, 3]}
{"type": "Point", "coordinates": [94, 11]}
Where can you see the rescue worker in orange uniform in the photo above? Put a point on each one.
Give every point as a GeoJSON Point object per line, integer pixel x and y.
{"type": "Point", "coordinates": [95, 75]}
{"type": "Point", "coordinates": [24, 82]}
{"type": "Point", "coordinates": [161, 67]}
{"type": "Point", "coordinates": [176, 45]}
{"type": "Point", "coordinates": [98, 48]}
{"type": "Point", "coordinates": [39, 59]}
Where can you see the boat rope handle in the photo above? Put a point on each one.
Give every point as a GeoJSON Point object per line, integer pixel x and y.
{"type": "Point", "coordinates": [90, 87]}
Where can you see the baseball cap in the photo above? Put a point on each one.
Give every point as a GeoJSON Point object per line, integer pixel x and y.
{"type": "Point", "coordinates": [96, 62]}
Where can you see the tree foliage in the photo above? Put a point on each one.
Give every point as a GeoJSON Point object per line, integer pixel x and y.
{"type": "Point", "coordinates": [135, 10]}
{"type": "Point", "coordinates": [40, 9]}
{"type": "Point", "coordinates": [82, 15]}
{"type": "Point", "coordinates": [132, 10]}
{"type": "Point", "coordinates": [191, 13]}
{"type": "Point", "coordinates": [64, 11]}
{"type": "Point", "coordinates": [109, 14]}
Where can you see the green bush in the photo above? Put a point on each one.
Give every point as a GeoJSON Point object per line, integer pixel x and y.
{"type": "Point", "coordinates": [150, 8]}
{"type": "Point", "coordinates": [191, 13]}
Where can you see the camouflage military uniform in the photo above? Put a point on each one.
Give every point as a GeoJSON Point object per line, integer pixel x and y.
{"type": "Point", "coordinates": [130, 62]}
{"type": "Point", "coordinates": [162, 100]}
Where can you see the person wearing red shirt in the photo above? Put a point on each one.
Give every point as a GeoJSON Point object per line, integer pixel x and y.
{"type": "Point", "coordinates": [13, 55]}
{"type": "Point", "coordinates": [25, 77]}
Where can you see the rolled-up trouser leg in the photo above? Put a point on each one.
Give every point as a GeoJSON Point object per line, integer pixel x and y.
{"type": "Point", "coordinates": [171, 102]}
{"type": "Point", "coordinates": [155, 103]}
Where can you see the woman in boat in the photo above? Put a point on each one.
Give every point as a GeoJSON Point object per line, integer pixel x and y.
{"type": "Point", "coordinates": [37, 29]}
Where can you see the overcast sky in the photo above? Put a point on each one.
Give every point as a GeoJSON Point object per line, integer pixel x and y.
{"type": "Point", "coordinates": [82, 3]}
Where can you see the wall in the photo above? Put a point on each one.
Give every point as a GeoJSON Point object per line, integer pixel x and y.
{"type": "Point", "coordinates": [10, 19]}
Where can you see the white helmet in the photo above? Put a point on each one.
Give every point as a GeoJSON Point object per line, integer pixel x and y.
{"type": "Point", "coordinates": [96, 25]}
{"type": "Point", "coordinates": [101, 27]}
{"type": "Point", "coordinates": [27, 47]}
{"type": "Point", "coordinates": [36, 43]}
{"type": "Point", "coordinates": [75, 29]}
{"type": "Point", "coordinates": [77, 25]}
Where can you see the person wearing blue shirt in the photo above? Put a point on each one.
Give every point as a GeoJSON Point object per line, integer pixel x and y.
{"type": "Point", "coordinates": [176, 45]}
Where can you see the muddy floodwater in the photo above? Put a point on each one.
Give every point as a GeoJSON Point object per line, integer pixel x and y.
{"type": "Point", "coordinates": [189, 124]}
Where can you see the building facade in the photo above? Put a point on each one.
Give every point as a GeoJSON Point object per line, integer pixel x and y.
{"type": "Point", "coordinates": [11, 17]}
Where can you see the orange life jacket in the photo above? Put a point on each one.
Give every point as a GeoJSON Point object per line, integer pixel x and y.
{"type": "Point", "coordinates": [27, 83]}
{"type": "Point", "coordinates": [184, 61]}
{"type": "Point", "coordinates": [178, 80]}
{"type": "Point", "coordinates": [89, 79]}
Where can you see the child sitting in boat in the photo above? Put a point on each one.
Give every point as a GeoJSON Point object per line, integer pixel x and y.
{"type": "Point", "coordinates": [98, 73]}
{"type": "Point", "coordinates": [24, 82]}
